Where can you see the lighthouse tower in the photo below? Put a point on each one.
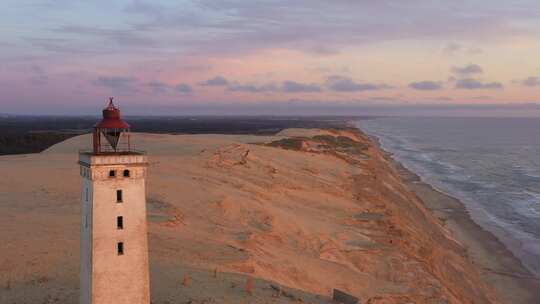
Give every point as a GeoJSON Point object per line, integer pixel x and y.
{"type": "Point", "coordinates": [114, 246]}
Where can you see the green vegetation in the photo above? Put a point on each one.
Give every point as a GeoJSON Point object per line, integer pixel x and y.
{"type": "Point", "coordinates": [30, 143]}
{"type": "Point", "coordinates": [288, 144]}
{"type": "Point", "coordinates": [327, 142]}
{"type": "Point", "coordinates": [342, 143]}
{"type": "Point", "coordinates": [33, 134]}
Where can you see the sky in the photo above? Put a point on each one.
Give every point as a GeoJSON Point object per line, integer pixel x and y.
{"type": "Point", "coordinates": [270, 57]}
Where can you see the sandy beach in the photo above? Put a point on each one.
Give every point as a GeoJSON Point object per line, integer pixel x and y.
{"type": "Point", "coordinates": [499, 267]}
{"type": "Point", "coordinates": [306, 210]}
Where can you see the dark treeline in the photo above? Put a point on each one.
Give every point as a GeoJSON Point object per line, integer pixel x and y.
{"type": "Point", "coordinates": [26, 134]}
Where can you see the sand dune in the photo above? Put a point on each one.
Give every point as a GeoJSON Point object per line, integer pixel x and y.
{"type": "Point", "coordinates": [322, 210]}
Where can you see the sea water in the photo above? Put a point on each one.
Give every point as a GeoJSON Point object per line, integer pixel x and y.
{"type": "Point", "coordinates": [491, 164]}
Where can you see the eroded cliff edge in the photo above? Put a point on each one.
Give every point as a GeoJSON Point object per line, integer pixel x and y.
{"type": "Point", "coordinates": [312, 210]}
{"type": "Point", "coordinates": [404, 252]}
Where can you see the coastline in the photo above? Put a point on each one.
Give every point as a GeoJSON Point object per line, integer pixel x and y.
{"type": "Point", "coordinates": [498, 266]}
{"type": "Point", "coordinates": [312, 210]}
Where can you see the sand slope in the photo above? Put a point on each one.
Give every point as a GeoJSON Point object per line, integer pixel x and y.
{"type": "Point", "coordinates": [319, 215]}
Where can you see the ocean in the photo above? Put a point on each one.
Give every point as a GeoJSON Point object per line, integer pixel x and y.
{"type": "Point", "coordinates": [491, 164]}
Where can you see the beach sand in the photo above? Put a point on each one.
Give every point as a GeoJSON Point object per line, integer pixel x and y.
{"type": "Point", "coordinates": [498, 266]}
{"type": "Point", "coordinates": [310, 210]}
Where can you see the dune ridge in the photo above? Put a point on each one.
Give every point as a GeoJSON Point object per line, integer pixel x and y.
{"type": "Point", "coordinates": [311, 210]}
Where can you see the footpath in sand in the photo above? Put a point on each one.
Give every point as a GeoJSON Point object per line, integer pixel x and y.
{"type": "Point", "coordinates": [309, 210]}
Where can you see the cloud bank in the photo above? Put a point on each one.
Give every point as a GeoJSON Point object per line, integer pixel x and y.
{"type": "Point", "coordinates": [473, 84]}
{"type": "Point", "coordinates": [426, 85]}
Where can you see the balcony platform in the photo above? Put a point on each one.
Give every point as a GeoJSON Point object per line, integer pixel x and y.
{"type": "Point", "coordinates": [89, 158]}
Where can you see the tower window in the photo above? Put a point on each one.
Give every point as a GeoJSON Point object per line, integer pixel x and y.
{"type": "Point", "coordinates": [119, 222]}
{"type": "Point", "coordinates": [120, 248]}
{"type": "Point", "coordinates": [112, 173]}
{"type": "Point", "coordinates": [126, 173]}
{"type": "Point", "coordinates": [118, 196]}
{"type": "Point", "coordinates": [86, 194]}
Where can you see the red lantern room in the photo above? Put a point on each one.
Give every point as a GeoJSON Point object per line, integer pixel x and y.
{"type": "Point", "coordinates": [114, 129]}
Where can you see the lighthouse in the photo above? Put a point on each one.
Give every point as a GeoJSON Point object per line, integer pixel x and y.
{"type": "Point", "coordinates": [114, 244]}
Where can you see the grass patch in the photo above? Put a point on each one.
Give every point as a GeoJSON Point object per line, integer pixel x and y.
{"type": "Point", "coordinates": [342, 143]}
{"type": "Point", "coordinates": [288, 144]}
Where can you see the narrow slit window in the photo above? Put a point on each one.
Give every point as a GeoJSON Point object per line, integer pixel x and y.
{"type": "Point", "coordinates": [126, 173]}
{"type": "Point", "coordinates": [119, 196]}
{"type": "Point", "coordinates": [120, 222]}
{"type": "Point", "coordinates": [120, 248]}
{"type": "Point", "coordinates": [112, 173]}
{"type": "Point", "coordinates": [86, 194]}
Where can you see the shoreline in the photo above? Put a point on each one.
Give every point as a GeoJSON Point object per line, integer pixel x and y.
{"type": "Point", "coordinates": [330, 213]}
{"type": "Point", "coordinates": [498, 266]}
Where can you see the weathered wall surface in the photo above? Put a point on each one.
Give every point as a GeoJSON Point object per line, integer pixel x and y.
{"type": "Point", "coordinates": [86, 239]}
{"type": "Point", "coordinates": [115, 278]}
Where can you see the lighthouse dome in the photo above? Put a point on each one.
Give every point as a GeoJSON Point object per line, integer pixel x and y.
{"type": "Point", "coordinates": [112, 118]}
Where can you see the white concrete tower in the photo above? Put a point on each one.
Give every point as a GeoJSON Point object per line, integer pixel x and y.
{"type": "Point", "coordinates": [114, 245]}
